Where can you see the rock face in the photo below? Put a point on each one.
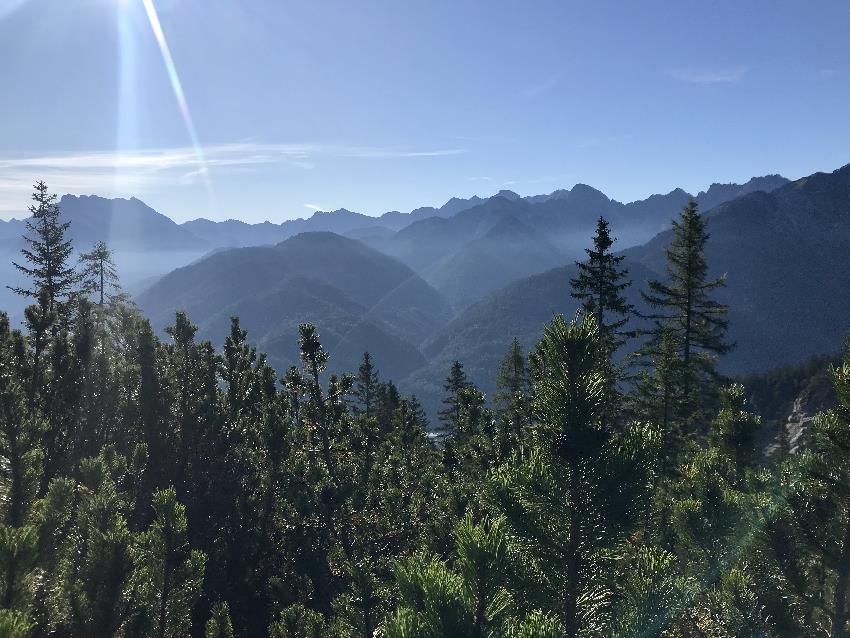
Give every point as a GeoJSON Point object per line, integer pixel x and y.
{"type": "Point", "coordinates": [797, 426]}
{"type": "Point", "coordinates": [793, 433]}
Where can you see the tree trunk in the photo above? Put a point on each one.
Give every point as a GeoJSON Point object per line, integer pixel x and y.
{"type": "Point", "coordinates": [839, 617]}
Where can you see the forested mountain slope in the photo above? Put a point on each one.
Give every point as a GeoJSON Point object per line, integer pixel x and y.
{"type": "Point", "coordinates": [484, 247]}
{"type": "Point", "coordinates": [786, 255]}
{"type": "Point", "coordinates": [360, 299]}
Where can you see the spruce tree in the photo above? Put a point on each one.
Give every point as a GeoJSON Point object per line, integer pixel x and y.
{"type": "Point", "coordinates": [686, 313]}
{"type": "Point", "coordinates": [511, 377]}
{"type": "Point", "coordinates": [47, 253]}
{"type": "Point", "coordinates": [366, 386]}
{"type": "Point", "coordinates": [99, 275]}
{"type": "Point", "coordinates": [455, 383]}
{"type": "Point", "coordinates": [600, 284]}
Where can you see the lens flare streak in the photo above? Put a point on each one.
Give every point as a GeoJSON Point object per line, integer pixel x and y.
{"type": "Point", "coordinates": [179, 94]}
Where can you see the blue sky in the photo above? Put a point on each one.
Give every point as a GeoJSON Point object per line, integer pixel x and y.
{"type": "Point", "coordinates": [383, 105]}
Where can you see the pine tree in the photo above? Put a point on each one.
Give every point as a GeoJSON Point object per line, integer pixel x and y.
{"type": "Point", "coordinates": [219, 625]}
{"type": "Point", "coordinates": [579, 490]}
{"type": "Point", "coordinates": [600, 284]}
{"type": "Point", "coordinates": [455, 382]}
{"type": "Point", "coordinates": [99, 275]}
{"type": "Point", "coordinates": [53, 279]}
{"type": "Point", "coordinates": [686, 312]}
{"type": "Point", "coordinates": [821, 505]}
{"type": "Point", "coordinates": [512, 399]}
{"type": "Point", "coordinates": [15, 624]}
{"type": "Point", "coordinates": [21, 456]}
{"type": "Point", "coordinates": [366, 386]}
{"type": "Point", "coordinates": [167, 574]}
{"type": "Point", "coordinates": [95, 551]}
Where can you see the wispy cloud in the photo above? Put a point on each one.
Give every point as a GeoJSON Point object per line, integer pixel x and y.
{"type": "Point", "coordinates": [541, 88]}
{"type": "Point", "coordinates": [479, 179]}
{"type": "Point", "coordinates": [314, 207]}
{"type": "Point", "coordinates": [601, 140]}
{"type": "Point", "coordinates": [136, 172]}
{"type": "Point", "coordinates": [708, 76]}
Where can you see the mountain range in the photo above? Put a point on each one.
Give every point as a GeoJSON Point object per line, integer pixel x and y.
{"type": "Point", "coordinates": [466, 248]}
{"type": "Point", "coordinates": [786, 258]}
{"type": "Point", "coordinates": [422, 289]}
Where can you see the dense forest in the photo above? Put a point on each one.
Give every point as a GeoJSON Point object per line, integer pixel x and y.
{"type": "Point", "coordinates": [156, 487]}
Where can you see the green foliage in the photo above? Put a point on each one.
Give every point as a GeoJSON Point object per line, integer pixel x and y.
{"type": "Point", "coordinates": [296, 621]}
{"type": "Point", "coordinates": [47, 253]}
{"type": "Point", "coordinates": [167, 574]}
{"type": "Point", "coordinates": [219, 625]}
{"type": "Point", "coordinates": [99, 275]}
{"type": "Point", "coordinates": [144, 481]}
{"type": "Point", "coordinates": [687, 320]}
{"type": "Point", "coordinates": [600, 284]}
{"type": "Point", "coordinates": [14, 624]}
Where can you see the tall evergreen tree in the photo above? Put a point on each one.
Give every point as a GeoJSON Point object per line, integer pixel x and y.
{"type": "Point", "coordinates": [511, 377]}
{"type": "Point", "coordinates": [600, 284]}
{"type": "Point", "coordinates": [47, 253]}
{"type": "Point", "coordinates": [99, 275]}
{"type": "Point", "coordinates": [366, 386]}
{"type": "Point", "coordinates": [455, 383]}
{"type": "Point", "coordinates": [685, 311]}
{"type": "Point", "coordinates": [512, 398]}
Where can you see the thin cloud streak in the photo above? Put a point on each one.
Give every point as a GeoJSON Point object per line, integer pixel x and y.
{"type": "Point", "coordinates": [112, 173]}
{"type": "Point", "coordinates": [236, 154]}
{"type": "Point", "coordinates": [708, 76]}
{"type": "Point", "coordinates": [540, 89]}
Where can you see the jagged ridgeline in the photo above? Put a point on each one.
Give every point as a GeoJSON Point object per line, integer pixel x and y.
{"type": "Point", "coordinates": [161, 476]}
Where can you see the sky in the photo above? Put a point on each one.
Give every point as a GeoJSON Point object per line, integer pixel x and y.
{"type": "Point", "coordinates": [271, 109]}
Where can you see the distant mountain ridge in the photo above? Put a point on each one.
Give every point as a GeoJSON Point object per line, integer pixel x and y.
{"type": "Point", "coordinates": [133, 225]}
{"type": "Point", "coordinates": [463, 258]}
{"type": "Point", "coordinates": [466, 248]}
{"type": "Point", "coordinates": [360, 299]}
{"type": "Point", "coordinates": [786, 255]}
{"type": "Point", "coordinates": [342, 221]}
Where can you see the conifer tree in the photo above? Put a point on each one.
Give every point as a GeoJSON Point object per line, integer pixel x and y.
{"type": "Point", "coordinates": [99, 275]}
{"type": "Point", "coordinates": [685, 311]}
{"type": "Point", "coordinates": [455, 382]}
{"type": "Point", "coordinates": [219, 625]}
{"type": "Point", "coordinates": [655, 394]}
{"type": "Point", "coordinates": [470, 598]}
{"type": "Point", "coordinates": [167, 573]}
{"type": "Point", "coordinates": [21, 456]}
{"type": "Point", "coordinates": [511, 398]}
{"type": "Point", "coordinates": [366, 386]}
{"type": "Point", "coordinates": [47, 254]}
{"type": "Point", "coordinates": [95, 554]}
{"type": "Point", "coordinates": [821, 503]}
{"type": "Point", "coordinates": [600, 284]}
{"type": "Point", "coordinates": [15, 624]}
{"type": "Point", "coordinates": [580, 488]}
